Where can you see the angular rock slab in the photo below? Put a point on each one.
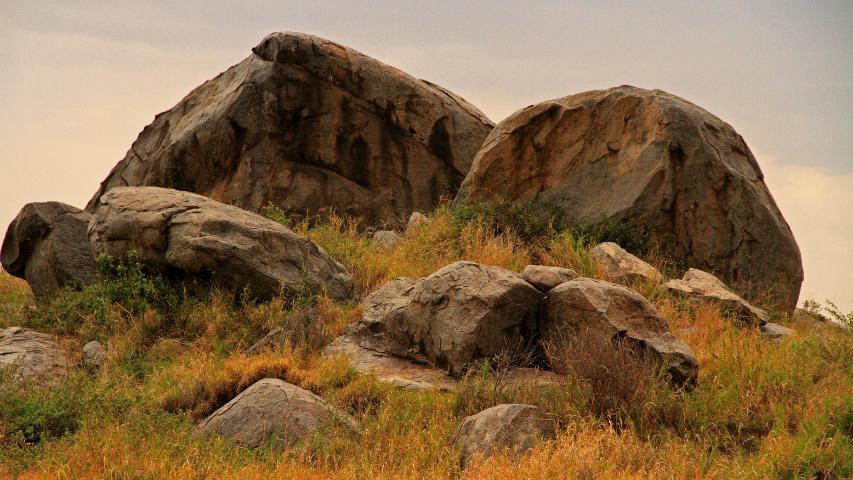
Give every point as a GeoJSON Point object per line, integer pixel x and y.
{"type": "Point", "coordinates": [620, 265]}
{"type": "Point", "coordinates": [273, 409]}
{"type": "Point", "coordinates": [202, 240]}
{"type": "Point", "coordinates": [614, 311]}
{"type": "Point", "coordinates": [46, 244]}
{"type": "Point", "coordinates": [310, 125]}
{"type": "Point", "coordinates": [655, 163]}
{"type": "Point", "coordinates": [545, 278]}
{"type": "Point", "coordinates": [461, 313]}
{"type": "Point", "coordinates": [33, 355]}
{"type": "Point", "coordinates": [774, 331]}
{"type": "Point", "coordinates": [515, 428]}
{"type": "Point", "coordinates": [703, 287]}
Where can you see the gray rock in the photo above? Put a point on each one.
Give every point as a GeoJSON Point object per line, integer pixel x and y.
{"type": "Point", "coordinates": [202, 241]}
{"type": "Point", "coordinates": [774, 331]}
{"type": "Point", "coordinates": [619, 265]}
{"type": "Point", "coordinates": [386, 239]}
{"type": "Point", "coordinates": [656, 164]}
{"type": "Point", "coordinates": [94, 355]}
{"type": "Point", "coordinates": [33, 355]}
{"type": "Point", "coordinates": [514, 428]}
{"type": "Point", "coordinates": [310, 125]}
{"type": "Point", "coordinates": [46, 245]}
{"type": "Point", "coordinates": [459, 314]}
{"type": "Point", "coordinates": [416, 219]}
{"type": "Point", "coordinates": [613, 311]}
{"type": "Point", "coordinates": [274, 410]}
{"type": "Point", "coordinates": [702, 287]}
{"type": "Point", "coordinates": [545, 278]}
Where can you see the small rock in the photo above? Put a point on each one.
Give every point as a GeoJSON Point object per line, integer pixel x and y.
{"type": "Point", "coordinates": [774, 331]}
{"type": "Point", "coordinates": [33, 355]}
{"type": "Point", "coordinates": [386, 239]}
{"type": "Point", "coordinates": [706, 288]}
{"type": "Point", "coordinates": [612, 311]}
{"type": "Point", "coordinates": [272, 409]}
{"type": "Point", "coordinates": [416, 219]}
{"type": "Point", "coordinates": [93, 356]}
{"type": "Point", "coordinates": [545, 278]}
{"type": "Point", "coordinates": [621, 265]}
{"type": "Point", "coordinates": [512, 427]}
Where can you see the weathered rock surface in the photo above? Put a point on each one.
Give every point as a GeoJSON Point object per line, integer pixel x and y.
{"type": "Point", "coordinates": [774, 331]}
{"type": "Point", "coordinates": [33, 355]}
{"type": "Point", "coordinates": [515, 428]}
{"type": "Point", "coordinates": [416, 219]}
{"type": "Point", "coordinates": [461, 313]}
{"type": "Point", "coordinates": [702, 287]}
{"type": "Point", "coordinates": [272, 409]}
{"type": "Point", "coordinates": [201, 240]}
{"type": "Point", "coordinates": [621, 265]}
{"type": "Point", "coordinates": [656, 163]}
{"type": "Point", "coordinates": [94, 355]}
{"type": "Point", "coordinates": [545, 278]}
{"type": "Point", "coordinates": [310, 125]}
{"type": "Point", "coordinates": [46, 245]}
{"type": "Point", "coordinates": [386, 239]}
{"type": "Point", "coordinates": [614, 311]}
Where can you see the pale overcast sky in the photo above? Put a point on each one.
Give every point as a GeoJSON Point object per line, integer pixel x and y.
{"type": "Point", "coordinates": [80, 79]}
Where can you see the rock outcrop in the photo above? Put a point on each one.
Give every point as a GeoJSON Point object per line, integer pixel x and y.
{"type": "Point", "coordinates": [620, 265]}
{"type": "Point", "coordinates": [655, 163]}
{"type": "Point", "coordinates": [46, 245]}
{"type": "Point", "coordinates": [273, 410]}
{"type": "Point", "coordinates": [459, 314]}
{"type": "Point", "coordinates": [33, 355]}
{"type": "Point", "coordinates": [613, 311]}
{"type": "Point", "coordinates": [514, 428]}
{"type": "Point", "coordinates": [702, 287]}
{"type": "Point", "coordinates": [310, 125]}
{"type": "Point", "coordinates": [202, 241]}
{"type": "Point", "coordinates": [545, 278]}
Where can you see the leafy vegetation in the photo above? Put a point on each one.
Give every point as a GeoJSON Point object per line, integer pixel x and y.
{"type": "Point", "coordinates": [173, 357]}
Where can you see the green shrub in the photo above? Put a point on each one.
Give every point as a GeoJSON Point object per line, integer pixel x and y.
{"type": "Point", "coordinates": [30, 414]}
{"type": "Point", "coordinates": [527, 221]}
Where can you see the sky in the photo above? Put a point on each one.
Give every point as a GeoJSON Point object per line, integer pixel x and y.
{"type": "Point", "coordinates": [80, 79]}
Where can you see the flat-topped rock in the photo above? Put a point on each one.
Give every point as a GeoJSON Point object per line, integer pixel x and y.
{"type": "Point", "coordinates": [545, 278]}
{"type": "Point", "coordinates": [33, 355]}
{"type": "Point", "coordinates": [703, 287]}
{"type": "Point", "coordinates": [619, 265]}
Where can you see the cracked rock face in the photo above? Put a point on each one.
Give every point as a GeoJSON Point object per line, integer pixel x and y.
{"type": "Point", "coordinates": [461, 313]}
{"type": "Point", "coordinates": [33, 355]}
{"type": "Point", "coordinates": [614, 311]}
{"type": "Point", "coordinates": [513, 427]}
{"type": "Point", "coordinates": [310, 125]}
{"type": "Point", "coordinates": [46, 245]}
{"type": "Point", "coordinates": [655, 162]}
{"type": "Point", "coordinates": [702, 287]}
{"type": "Point", "coordinates": [203, 241]}
{"type": "Point", "coordinates": [273, 409]}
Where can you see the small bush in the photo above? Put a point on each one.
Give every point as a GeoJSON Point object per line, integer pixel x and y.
{"type": "Point", "coordinates": [30, 413]}
{"type": "Point", "coordinates": [525, 220]}
{"type": "Point", "coordinates": [276, 214]}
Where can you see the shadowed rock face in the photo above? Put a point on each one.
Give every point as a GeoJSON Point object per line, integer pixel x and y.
{"type": "Point", "coordinates": [310, 125]}
{"type": "Point", "coordinates": [655, 162]}
{"type": "Point", "coordinates": [46, 244]}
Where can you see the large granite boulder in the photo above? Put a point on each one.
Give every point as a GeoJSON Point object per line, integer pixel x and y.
{"type": "Point", "coordinates": [514, 428]}
{"type": "Point", "coordinates": [615, 312]}
{"type": "Point", "coordinates": [33, 355]}
{"type": "Point", "coordinates": [273, 410]}
{"type": "Point", "coordinates": [202, 241]}
{"type": "Point", "coordinates": [310, 125]}
{"type": "Point", "coordinates": [46, 245]}
{"type": "Point", "coordinates": [702, 287]}
{"type": "Point", "coordinates": [459, 314]}
{"type": "Point", "coordinates": [653, 162]}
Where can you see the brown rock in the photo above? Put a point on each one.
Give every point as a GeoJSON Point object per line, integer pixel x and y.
{"type": "Point", "coordinates": [33, 355]}
{"type": "Point", "coordinates": [655, 163]}
{"type": "Point", "coordinates": [545, 278]}
{"type": "Point", "coordinates": [46, 245]}
{"type": "Point", "coordinates": [272, 409]}
{"type": "Point", "coordinates": [614, 311]}
{"type": "Point", "coordinates": [515, 428]}
{"type": "Point", "coordinates": [201, 241]}
{"type": "Point", "coordinates": [310, 125]}
{"type": "Point", "coordinates": [621, 265]}
{"type": "Point", "coordinates": [705, 288]}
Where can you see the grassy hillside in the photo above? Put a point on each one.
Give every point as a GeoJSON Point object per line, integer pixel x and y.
{"type": "Point", "coordinates": [761, 409]}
